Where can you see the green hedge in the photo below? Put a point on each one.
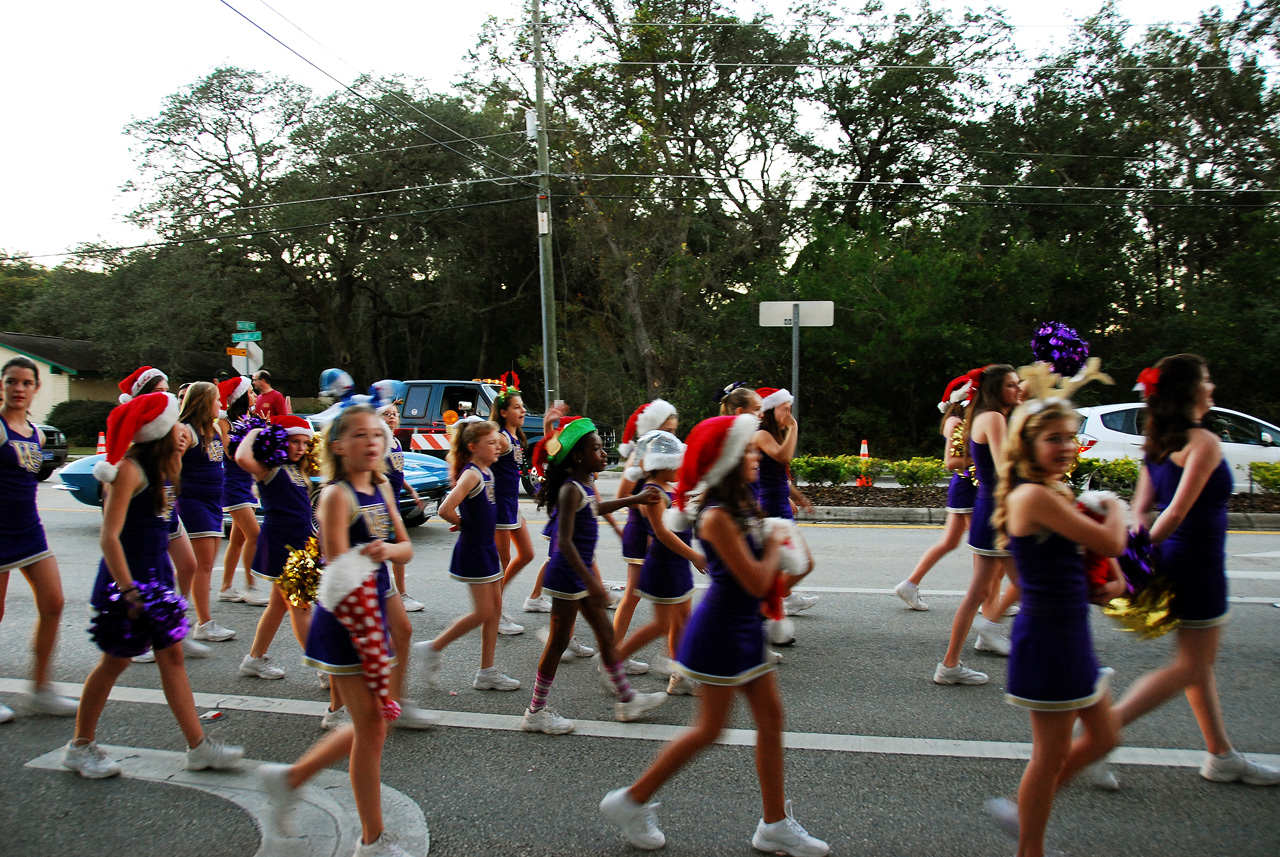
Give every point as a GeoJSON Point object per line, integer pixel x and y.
{"type": "Point", "coordinates": [1119, 475]}
{"type": "Point", "coordinates": [919, 472]}
{"type": "Point", "coordinates": [1266, 475]}
{"type": "Point", "coordinates": [80, 420]}
{"type": "Point", "coordinates": [821, 470]}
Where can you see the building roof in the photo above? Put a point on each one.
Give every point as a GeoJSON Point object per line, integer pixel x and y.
{"type": "Point", "coordinates": [82, 357]}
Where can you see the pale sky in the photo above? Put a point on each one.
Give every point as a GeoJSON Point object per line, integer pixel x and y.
{"type": "Point", "coordinates": [74, 73]}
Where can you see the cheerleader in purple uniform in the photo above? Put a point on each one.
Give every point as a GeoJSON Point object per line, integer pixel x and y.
{"type": "Point", "coordinates": [666, 576]}
{"type": "Point", "coordinates": [575, 454]}
{"type": "Point", "coordinates": [135, 579]}
{"type": "Point", "coordinates": [724, 643]}
{"type": "Point", "coordinates": [22, 540]}
{"type": "Point", "coordinates": [471, 509]}
{"type": "Point", "coordinates": [998, 393]}
{"type": "Point", "coordinates": [238, 500]}
{"type": "Point", "coordinates": [1052, 668]}
{"type": "Point", "coordinates": [960, 491]}
{"type": "Point", "coordinates": [201, 505]}
{"type": "Point", "coordinates": [390, 414]}
{"type": "Point", "coordinates": [652, 416]}
{"type": "Point", "coordinates": [507, 413]}
{"type": "Point", "coordinates": [1182, 494]}
{"type": "Point", "coordinates": [355, 514]}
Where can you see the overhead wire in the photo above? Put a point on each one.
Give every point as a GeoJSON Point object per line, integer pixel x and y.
{"type": "Point", "coordinates": [938, 201]}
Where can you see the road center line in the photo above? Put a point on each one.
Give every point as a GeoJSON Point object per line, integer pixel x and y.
{"type": "Point", "coordinates": [822, 742]}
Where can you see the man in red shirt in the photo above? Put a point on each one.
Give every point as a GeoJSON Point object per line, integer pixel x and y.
{"type": "Point", "coordinates": [271, 402]}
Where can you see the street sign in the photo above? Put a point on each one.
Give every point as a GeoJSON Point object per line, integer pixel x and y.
{"type": "Point", "coordinates": [245, 325]}
{"type": "Point", "coordinates": [812, 313]}
{"type": "Point", "coordinates": [249, 360]}
{"type": "Point", "coordinates": [250, 336]}
{"type": "Point", "coordinates": [237, 352]}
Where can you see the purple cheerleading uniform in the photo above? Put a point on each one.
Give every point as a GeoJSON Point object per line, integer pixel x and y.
{"type": "Point", "coordinates": [1193, 557]}
{"type": "Point", "coordinates": [329, 648]}
{"type": "Point", "coordinates": [475, 554]}
{"type": "Point", "coordinates": [961, 493]}
{"type": "Point", "coordinates": [773, 488]}
{"type": "Point", "coordinates": [22, 539]}
{"type": "Point", "coordinates": [666, 577]}
{"type": "Point", "coordinates": [201, 509]}
{"type": "Point", "coordinates": [982, 536]}
{"type": "Point", "coordinates": [237, 485]}
{"type": "Point", "coordinates": [506, 484]}
{"type": "Point", "coordinates": [145, 540]}
{"type": "Point", "coordinates": [724, 641]}
{"type": "Point", "coordinates": [635, 533]}
{"type": "Point", "coordinates": [561, 581]}
{"type": "Point", "coordinates": [395, 469]}
{"type": "Point", "coordinates": [286, 519]}
{"type": "Point", "coordinates": [1052, 666]}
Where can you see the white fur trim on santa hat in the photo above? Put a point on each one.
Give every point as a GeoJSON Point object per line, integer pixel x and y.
{"type": "Point", "coordinates": [633, 473]}
{"type": "Point", "coordinates": [1093, 500]}
{"type": "Point", "coordinates": [774, 399]}
{"type": "Point", "coordinates": [341, 576]}
{"type": "Point", "coordinates": [140, 382]}
{"type": "Point", "coordinates": [735, 444]}
{"type": "Point", "coordinates": [105, 471]}
{"type": "Point", "coordinates": [160, 425]}
{"type": "Point", "coordinates": [653, 416]}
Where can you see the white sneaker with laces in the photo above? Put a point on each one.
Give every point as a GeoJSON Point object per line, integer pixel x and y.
{"type": "Point", "coordinates": [89, 760]}
{"type": "Point", "coordinates": [494, 680]}
{"type": "Point", "coordinates": [429, 662]}
{"type": "Point", "coordinates": [1004, 813]}
{"type": "Point", "coordinates": [211, 753]}
{"type": "Point", "coordinates": [508, 628]}
{"type": "Point", "coordinates": [260, 668]}
{"type": "Point", "coordinates": [254, 596]}
{"type": "Point", "coordinates": [991, 638]}
{"type": "Point", "coordinates": [1235, 766]}
{"type": "Point", "coordinates": [213, 632]}
{"type": "Point", "coordinates": [798, 602]}
{"type": "Point", "coordinates": [324, 679]}
{"type": "Point", "coordinates": [541, 604]}
{"type": "Point", "coordinates": [383, 846]}
{"type": "Point", "coordinates": [1013, 610]}
{"type": "Point", "coordinates": [273, 780]}
{"type": "Point", "coordinates": [775, 657]}
{"type": "Point", "coordinates": [958, 674]}
{"type": "Point", "coordinates": [634, 667]}
{"type": "Point", "coordinates": [788, 837]}
{"type": "Point", "coordinates": [1100, 775]}
{"type": "Point", "coordinates": [46, 700]}
{"type": "Point", "coordinates": [411, 604]}
{"type": "Point", "coordinates": [147, 657]}
{"type": "Point", "coordinates": [6, 713]}
{"type": "Point", "coordinates": [230, 594]}
{"type": "Point", "coordinates": [639, 822]}
{"type": "Point", "coordinates": [413, 717]}
{"type": "Point", "coordinates": [191, 649]}
{"type": "Point", "coordinates": [682, 686]}
{"type": "Point", "coordinates": [910, 594]}
{"type": "Point", "coordinates": [635, 708]}
{"type": "Point", "coordinates": [546, 721]}
{"type": "Point", "coordinates": [335, 718]}
{"type": "Point", "coordinates": [577, 649]}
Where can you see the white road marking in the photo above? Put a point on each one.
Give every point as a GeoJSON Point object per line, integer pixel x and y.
{"type": "Point", "coordinates": [1265, 554]}
{"type": "Point", "coordinates": [325, 813]}
{"type": "Point", "coordinates": [1253, 575]}
{"type": "Point", "coordinates": [828, 742]}
{"type": "Point", "coordinates": [956, 593]}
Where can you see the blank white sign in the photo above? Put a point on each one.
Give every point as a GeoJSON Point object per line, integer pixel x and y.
{"type": "Point", "coordinates": [812, 313]}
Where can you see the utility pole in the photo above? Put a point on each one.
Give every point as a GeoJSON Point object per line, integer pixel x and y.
{"type": "Point", "coordinates": [550, 358]}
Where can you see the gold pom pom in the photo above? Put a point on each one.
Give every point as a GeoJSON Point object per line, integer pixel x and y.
{"type": "Point", "coordinates": [310, 461]}
{"type": "Point", "coordinates": [1148, 613]}
{"type": "Point", "coordinates": [301, 576]}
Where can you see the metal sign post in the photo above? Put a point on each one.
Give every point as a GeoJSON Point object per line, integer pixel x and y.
{"type": "Point", "coordinates": [795, 315]}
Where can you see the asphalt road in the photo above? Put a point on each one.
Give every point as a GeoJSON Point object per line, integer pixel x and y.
{"type": "Point", "coordinates": [881, 761]}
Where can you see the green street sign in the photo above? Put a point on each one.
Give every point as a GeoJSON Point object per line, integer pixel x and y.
{"type": "Point", "coordinates": [251, 336]}
{"type": "Point", "coordinates": [245, 325]}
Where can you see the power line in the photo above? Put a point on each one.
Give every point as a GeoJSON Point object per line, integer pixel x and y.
{"type": "Point", "coordinates": [890, 66]}
{"type": "Point", "coordinates": [940, 201]}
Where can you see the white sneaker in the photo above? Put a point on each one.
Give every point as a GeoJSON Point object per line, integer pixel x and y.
{"type": "Point", "coordinates": [788, 837]}
{"type": "Point", "coordinates": [576, 649]}
{"type": "Point", "coordinates": [411, 604]}
{"type": "Point", "coordinates": [190, 649]}
{"type": "Point", "coordinates": [429, 662]}
{"type": "Point", "coordinates": [774, 657]}
{"type": "Point", "coordinates": [1013, 610]}
{"type": "Point", "coordinates": [6, 713]}
{"type": "Point", "coordinates": [991, 639]}
{"type": "Point", "coordinates": [615, 598]}
{"type": "Point", "coordinates": [541, 604]}
{"type": "Point", "coordinates": [324, 679]}
{"type": "Point", "coordinates": [254, 596]}
{"type": "Point", "coordinates": [958, 674]}
{"type": "Point", "coordinates": [798, 602]}
{"type": "Point", "coordinates": [546, 721]}
{"type": "Point", "coordinates": [1004, 813]}
{"type": "Point", "coordinates": [335, 719]}
{"type": "Point", "coordinates": [211, 753]}
{"type": "Point", "coordinates": [639, 822]}
{"type": "Point", "coordinates": [910, 593]}
{"type": "Point", "coordinates": [634, 667]}
{"type": "Point", "coordinates": [46, 700]}
{"type": "Point", "coordinates": [508, 628]}
{"type": "Point", "coordinates": [682, 686]}
{"type": "Point", "coordinates": [1235, 767]}
{"type": "Point", "coordinates": [89, 760]}
{"type": "Point", "coordinates": [494, 680]}
{"type": "Point", "coordinates": [260, 668]}
{"type": "Point", "coordinates": [230, 594]}
{"type": "Point", "coordinates": [383, 846]}
{"type": "Point", "coordinates": [1100, 775]}
{"type": "Point", "coordinates": [603, 675]}
{"type": "Point", "coordinates": [213, 632]}
{"type": "Point", "coordinates": [147, 657]}
{"type": "Point", "coordinates": [413, 717]}
{"type": "Point", "coordinates": [273, 780]}
{"type": "Point", "coordinates": [626, 712]}
{"type": "Point", "coordinates": [663, 666]}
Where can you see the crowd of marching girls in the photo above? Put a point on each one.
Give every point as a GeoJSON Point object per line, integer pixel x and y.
{"type": "Point", "coordinates": [720, 506]}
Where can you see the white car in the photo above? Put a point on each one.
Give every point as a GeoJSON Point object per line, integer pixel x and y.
{"type": "Point", "coordinates": [1115, 431]}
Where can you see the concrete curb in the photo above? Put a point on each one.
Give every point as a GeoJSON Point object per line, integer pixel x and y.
{"type": "Point", "coordinates": [936, 516]}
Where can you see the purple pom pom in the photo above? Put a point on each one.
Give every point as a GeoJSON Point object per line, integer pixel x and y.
{"type": "Point", "coordinates": [271, 446]}
{"type": "Point", "coordinates": [163, 621]}
{"type": "Point", "coordinates": [242, 427]}
{"type": "Point", "coordinates": [1059, 346]}
{"type": "Point", "coordinates": [1137, 563]}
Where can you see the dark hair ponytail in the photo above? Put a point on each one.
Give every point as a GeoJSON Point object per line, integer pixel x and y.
{"type": "Point", "coordinates": [1170, 406]}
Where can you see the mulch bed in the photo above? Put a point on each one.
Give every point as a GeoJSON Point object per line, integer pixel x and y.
{"type": "Point", "coordinates": [936, 497]}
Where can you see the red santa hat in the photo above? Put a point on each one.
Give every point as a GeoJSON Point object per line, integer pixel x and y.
{"type": "Point", "coordinates": [643, 420]}
{"type": "Point", "coordinates": [713, 449]}
{"type": "Point", "coordinates": [960, 390]}
{"type": "Point", "coordinates": [130, 386]}
{"type": "Point", "coordinates": [232, 389]}
{"type": "Point", "coordinates": [293, 424]}
{"type": "Point", "coordinates": [772, 397]}
{"type": "Point", "coordinates": [140, 420]}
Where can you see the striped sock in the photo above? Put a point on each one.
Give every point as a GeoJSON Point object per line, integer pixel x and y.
{"type": "Point", "coordinates": [541, 689]}
{"type": "Point", "coordinates": [618, 676]}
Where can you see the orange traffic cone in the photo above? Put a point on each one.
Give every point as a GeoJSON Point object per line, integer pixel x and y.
{"type": "Point", "coordinates": [863, 481]}
{"type": "Point", "coordinates": [102, 443]}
